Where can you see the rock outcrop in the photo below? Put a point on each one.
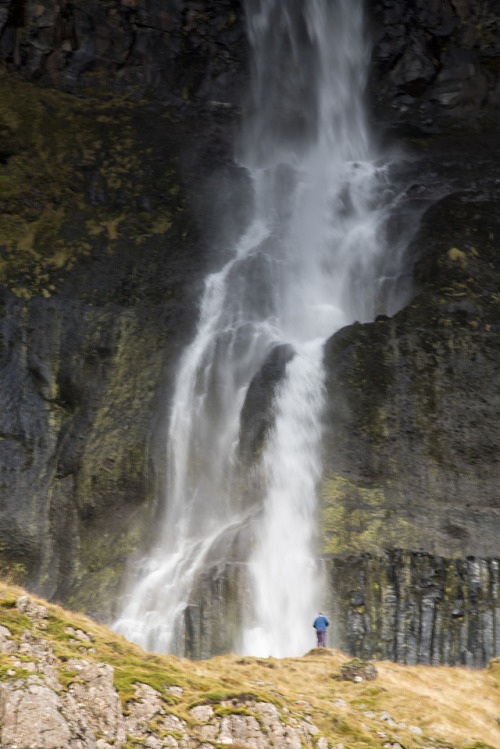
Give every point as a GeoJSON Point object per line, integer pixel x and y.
{"type": "Point", "coordinates": [433, 61]}
{"type": "Point", "coordinates": [259, 725]}
{"type": "Point", "coordinates": [49, 703]}
{"type": "Point", "coordinates": [358, 671]}
{"type": "Point", "coordinates": [411, 439]}
{"type": "Point", "coordinates": [416, 608]}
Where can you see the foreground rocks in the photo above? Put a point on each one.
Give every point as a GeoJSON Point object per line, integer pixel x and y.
{"type": "Point", "coordinates": [259, 726]}
{"type": "Point", "coordinates": [59, 689]}
{"type": "Point", "coordinates": [46, 703]}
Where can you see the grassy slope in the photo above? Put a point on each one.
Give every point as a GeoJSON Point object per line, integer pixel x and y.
{"type": "Point", "coordinates": [454, 707]}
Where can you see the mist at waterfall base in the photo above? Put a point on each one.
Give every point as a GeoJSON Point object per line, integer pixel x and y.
{"type": "Point", "coordinates": [314, 257]}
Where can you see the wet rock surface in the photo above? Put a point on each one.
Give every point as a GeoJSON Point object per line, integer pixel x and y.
{"type": "Point", "coordinates": [435, 63]}
{"type": "Point", "coordinates": [175, 48]}
{"type": "Point", "coordinates": [90, 332]}
{"type": "Point", "coordinates": [411, 432]}
{"type": "Point", "coordinates": [404, 606]}
{"type": "Point", "coordinates": [411, 438]}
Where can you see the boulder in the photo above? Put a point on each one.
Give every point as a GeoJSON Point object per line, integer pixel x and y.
{"type": "Point", "coordinates": [98, 700]}
{"type": "Point", "coordinates": [35, 715]}
{"type": "Point", "coordinates": [357, 670]}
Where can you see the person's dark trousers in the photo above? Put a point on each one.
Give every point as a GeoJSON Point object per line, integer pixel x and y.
{"type": "Point", "coordinates": [321, 635]}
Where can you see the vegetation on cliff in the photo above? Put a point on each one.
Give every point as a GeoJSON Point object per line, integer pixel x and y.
{"type": "Point", "coordinates": [80, 176]}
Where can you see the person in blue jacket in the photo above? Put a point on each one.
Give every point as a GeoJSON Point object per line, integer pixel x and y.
{"type": "Point", "coordinates": [320, 624]}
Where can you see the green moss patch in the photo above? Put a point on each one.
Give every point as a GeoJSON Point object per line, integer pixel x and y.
{"type": "Point", "coordinates": [354, 517]}
{"type": "Point", "coordinates": [74, 173]}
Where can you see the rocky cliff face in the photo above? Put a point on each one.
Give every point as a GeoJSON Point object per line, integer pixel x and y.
{"type": "Point", "coordinates": [411, 448]}
{"type": "Point", "coordinates": [102, 191]}
{"type": "Point", "coordinates": [116, 124]}
{"type": "Point", "coordinates": [176, 48]}
{"type": "Point", "coordinates": [435, 61]}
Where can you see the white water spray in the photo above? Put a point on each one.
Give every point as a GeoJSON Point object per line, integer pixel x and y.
{"type": "Point", "coordinates": [284, 577]}
{"type": "Point", "coordinates": [313, 259]}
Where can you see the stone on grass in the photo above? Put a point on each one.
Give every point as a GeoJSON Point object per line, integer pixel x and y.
{"type": "Point", "coordinates": [7, 645]}
{"type": "Point", "coordinates": [357, 670]}
{"type": "Point", "coordinates": [28, 607]}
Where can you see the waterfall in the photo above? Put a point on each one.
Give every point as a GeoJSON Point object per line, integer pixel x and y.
{"type": "Point", "coordinates": [283, 573]}
{"type": "Point", "coordinates": [313, 258]}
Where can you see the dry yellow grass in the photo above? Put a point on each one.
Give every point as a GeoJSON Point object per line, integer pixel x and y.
{"type": "Point", "coordinates": [455, 702]}
{"type": "Point", "coordinates": [455, 708]}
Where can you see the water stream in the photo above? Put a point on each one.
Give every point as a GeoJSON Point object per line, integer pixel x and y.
{"type": "Point", "coordinates": [314, 257]}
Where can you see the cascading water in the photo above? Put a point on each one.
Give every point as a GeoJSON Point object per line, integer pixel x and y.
{"type": "Point", "coordinates": [313, 258]}
{"type": "Point", "coordinates": [283, 574]}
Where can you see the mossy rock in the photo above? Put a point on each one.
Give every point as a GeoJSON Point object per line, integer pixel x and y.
{"type": "Point", "coordinates": [357, 670]}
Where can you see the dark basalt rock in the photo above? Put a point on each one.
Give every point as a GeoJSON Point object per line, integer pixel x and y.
{"type": "Point", "coordinates": [416, 608]}
{"type": "Point", "coordinates": [172, 47]}
{"type": "Point", "coordinates": [101, 262]}
{"type": "Point", "coordinates": [435, 64]}
{"type": "Point", "coordinates": [411, 436]}
{"type": "Point", "coordinates": [257, 413]}
{"type": "Point", "coordinates": [403, 606]}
